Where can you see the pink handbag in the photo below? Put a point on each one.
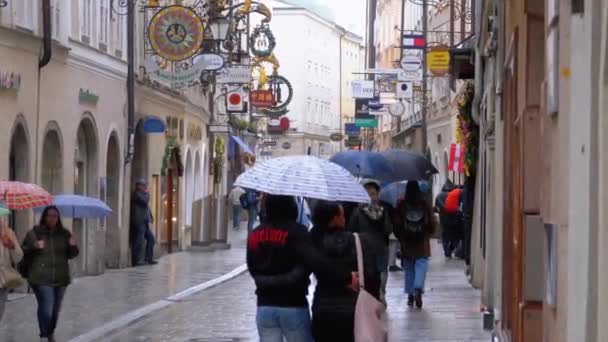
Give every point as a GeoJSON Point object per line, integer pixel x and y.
{"type": "Point", "coordinates": [370, 323]}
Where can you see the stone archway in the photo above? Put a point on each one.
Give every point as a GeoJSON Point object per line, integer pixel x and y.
{"type": "Point", "coordinates": [86, 179]}
{"type": "Point", "coordinates": [113, 168]}
{"type": "Point", "coordinates": [139, 166]}
{"type": "Point", "coordinates": [19, 170]}
{"type": "Point", "coordinates": [52, 161]}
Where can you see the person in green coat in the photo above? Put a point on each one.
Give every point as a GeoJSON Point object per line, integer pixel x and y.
{"type": "Point", "coordinates": [48, 247]}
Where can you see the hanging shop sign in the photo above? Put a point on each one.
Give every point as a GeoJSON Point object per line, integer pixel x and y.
{"type": "Point", "coordinates": [363, 89]}
{"type": "Point", "coordinates": [205, 62]}
{"type": "Point", "coordinates": [262, 98]}
{"type": "Point", "coordinates": [438, 61]}
{"type": "Point", "coordinates": [86, 96]}
{"type": "Point", "coordinates": [220, 129]}
{"type": "Point", "coordinates": [262, 41]}
{"type": "Point", "coordinates": [286, 145]}
{"type": "Point", "coordinates": [10, 80]}
{"type": "Point", "coordinates": [396, 109]}
{"type": "Point", "coordinates": [413, 41]}
{"type": "Point", "coordinates": [352, 130]}
{"type": "Point", "coordinates": [336, 137]}
{"type": "Point", "coordinates": [209, 62]}
{"type": "Point", "coordinates": [152, 124]}
{"type": "Point", "coordinates": [195, 132]}
{"type": "Point", "coordinates": [269, 143]}
{"type": "Point", "coordinates": [176, 33]}
{"type": "Point", "coordinates": [411, 63]}
{"type": "Point", "coordinates": [375, 104]}
{"type": "Point", "coordinates": [235, 74]}
{"type": "Point", "coordinates": [282, 92]}
{"type": "Point", "coordinates": [235, 102]}
{"type": "Point", "coordinates": [405, 90]}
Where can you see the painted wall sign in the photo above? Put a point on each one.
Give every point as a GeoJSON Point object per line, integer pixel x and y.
{"type": "Point", "coordinates": [363, 89]}
{"type": "Point", "coordinates": [87, 96]}
{"type": "Point", "coordinates": [262, 98]}
{"type": "Point", "coordinates": [10, 80]}
{"type": "Point", "coordinates": [153, 124]}
{"type": "Point", "coordinates": [234, 74]}
{"type": "Point", "coordinates": [195, 132]}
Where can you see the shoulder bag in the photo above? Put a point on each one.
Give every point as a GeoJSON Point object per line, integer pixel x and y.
{"type": "Point", "coordinates": [370, 323]}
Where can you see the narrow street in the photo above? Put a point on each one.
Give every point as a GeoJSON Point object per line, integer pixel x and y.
{"type": "Point", "coordinates": [109, 307]}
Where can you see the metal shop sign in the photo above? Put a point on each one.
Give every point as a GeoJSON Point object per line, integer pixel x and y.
{"type": "Point", "coordinates": [352, 130]}
{"type": "Point", "coordinates": [413, 41]}
{"type": "Point", "coordinates": [262, 98]}
{"type": "Point", "coordinates": [438, 60]}
{"type": "Point", "coordinates": [363, 89]}
{"type": "Point", "coordinates": [235, 74]}
{"type": "Point", "coordinates": [206, 62]}
{"type": "Point", "coordinates": [195, 132]}
{"type": "Point", "coordinates": [87, 96]}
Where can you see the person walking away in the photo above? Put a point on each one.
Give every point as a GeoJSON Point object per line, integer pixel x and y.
{"type": "Point", "coordinates": [141, 217]}
{"type": "Point", "coordinates": [449, 232]}
{"type": "Point", "coordinates": [48, 247]}
{"type": "Point", "coordinates": [251, 204]}
{"type": "Point", "coordinates": [280, 257]}
{"type": "Point", "coordinates": [414, 228]}
{"type": "Point", "coordinates": [10, 254]}
{"type": "Point", "coordinates": [373, 223]}
{"type": "Point", "coordinates": [333, 307]}
{"type": "Point", "coordinates": [236, 196]}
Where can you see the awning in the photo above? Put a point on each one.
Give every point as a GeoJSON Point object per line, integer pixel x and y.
{"type": "Point", "coordinates": [244, 147]}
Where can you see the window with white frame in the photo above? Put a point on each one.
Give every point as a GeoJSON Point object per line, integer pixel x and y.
{"type": "Point", "coordinates": [118, 22]}
{"type": "Point", "coordinates": [24, 13]}
{"type": "Point", "coordinates": [104, 22]}
{"type": "Point", "coordinates": [86, 19]}
{"type": "Point", "coordinates": [56, 18]}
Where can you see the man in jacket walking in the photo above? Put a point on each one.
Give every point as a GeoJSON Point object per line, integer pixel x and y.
{"type": "Point", "coordinates": [141, 217]}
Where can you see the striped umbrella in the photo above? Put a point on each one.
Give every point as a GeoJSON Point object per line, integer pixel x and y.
{"type": "Point", "coordinates": [19, 196]}
{"type": "Point", "coordinates": [304, 176]}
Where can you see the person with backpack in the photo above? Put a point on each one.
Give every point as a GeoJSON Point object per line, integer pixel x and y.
{"type": "Point", "coordinates": [47, 249]}
{"type": "Point", "coordinates": [413, 226]}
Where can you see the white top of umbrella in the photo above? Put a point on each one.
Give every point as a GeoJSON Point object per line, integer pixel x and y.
{"type": "Point", "coordinates": [304, 176]}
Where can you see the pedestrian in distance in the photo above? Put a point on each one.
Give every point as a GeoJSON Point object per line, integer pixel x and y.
{"type": "Point", "coordinates": [10, 254]}
{"type": "Point", "coordinates": [141, 218]}
{"type": "Point", "coordinates": [372, 221]}
{"type": "Point", "coordinates": [236, 199]}
{"type": "Point", "coordinates": [414, 228]}
{"type": "Point", "coordinates": [251, 202]}
{"type": "Point", "coordinates": [333, 308]}
{"type": "Point", "coordinates": [47, 249]}
{"type": "Point", "coordinates": [280, 257]}
{"type": "Point", "coordinates": [449, 218]}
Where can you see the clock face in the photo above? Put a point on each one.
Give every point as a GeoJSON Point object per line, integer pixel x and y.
{"type": "Point", "coordinates": [397, 109]}
{"type": "Point", "coordinates": [176, 33]}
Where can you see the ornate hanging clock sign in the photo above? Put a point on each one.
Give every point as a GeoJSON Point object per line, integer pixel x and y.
{"type": "Point", "coordinates": [176, 33]}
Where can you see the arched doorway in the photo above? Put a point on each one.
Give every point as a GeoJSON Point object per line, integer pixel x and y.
{"type": "Point", "coordinates": [19, 170]}
{"type": "Point", "coordinates": [112, 245]}
{"type": "Point", "coordinates": [52, 162]}
{"type": "Point", "coordinates": [139, 166]}
{"type": "Point", "coordinates": [189, 187]}
{"type": "Point", "coordinates": [85, 183]}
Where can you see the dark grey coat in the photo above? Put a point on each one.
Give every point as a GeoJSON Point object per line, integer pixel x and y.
{"type": "Point", "coordinates": [140, 209]}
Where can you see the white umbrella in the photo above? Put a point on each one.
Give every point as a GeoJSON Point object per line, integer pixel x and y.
{"type": "Point", "coordinates": [304, 176]}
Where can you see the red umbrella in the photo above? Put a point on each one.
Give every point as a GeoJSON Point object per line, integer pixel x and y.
{"type": "Point", "coordinates": [18, 195]}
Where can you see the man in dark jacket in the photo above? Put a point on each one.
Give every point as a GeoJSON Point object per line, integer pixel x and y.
{"type": "Point", "coordinates": [141, 217]}
{"type": "Point", "coordinates": [279, 255]}
{"type": "Point", "coordinates": [451, 230]}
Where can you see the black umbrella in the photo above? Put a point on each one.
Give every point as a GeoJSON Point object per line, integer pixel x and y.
{"type": "Point", "coordinates": [409, 165]}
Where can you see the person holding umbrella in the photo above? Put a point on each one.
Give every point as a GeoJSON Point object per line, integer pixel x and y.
{"type": "Point", "coordinates": [141, 217]}
{"type": "Point", "coordinates": [414, 226]}
{"type": "Point", "coordinates": [47, 249]}
{"type": "Point", "coordinates": [10, 253]}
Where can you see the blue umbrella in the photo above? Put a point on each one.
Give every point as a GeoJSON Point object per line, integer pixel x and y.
{"type": "Point", "coordinates": [80, 207]}
{"type": "Point", "coordinates": [391, 193]}
{"type": "Point", "coordinates": [408, 165]}
{"type": "Point", "coordinates": [364, 164]}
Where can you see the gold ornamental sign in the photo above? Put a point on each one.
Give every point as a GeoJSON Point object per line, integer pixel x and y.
{"type": "Point", "coordinates": [438, 60]}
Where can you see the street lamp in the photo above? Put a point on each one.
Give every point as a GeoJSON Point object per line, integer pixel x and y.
{"type": "Point", "coordinates": [219, 27]}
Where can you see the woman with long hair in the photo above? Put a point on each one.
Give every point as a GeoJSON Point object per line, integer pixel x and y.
{"type": "Point", "coordinates": [333, 308]}
{"type": "Point", "coordinates": [48, 247]}
{"type": "Point", "coordinates": [414, 227]}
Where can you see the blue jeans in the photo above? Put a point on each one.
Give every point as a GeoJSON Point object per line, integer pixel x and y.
{"type": "Point", "coordinates": [253, 217]}
{"type": "Point", "coordinates": [236, 215]}
{"type": "Point", "coordinates": [449, 247]}
{"type": "Point", "coordinates": [143, 235]}
{"type": "Point", "coordinates": [49, 304]}
{"type": "Point", "coordinates": [415, 274]}
{"type": "Point", "coordinates": [276, 323]}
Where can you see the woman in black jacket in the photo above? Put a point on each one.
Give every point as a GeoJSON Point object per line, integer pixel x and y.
{"type": "Point", "coordinates": [333, 306]}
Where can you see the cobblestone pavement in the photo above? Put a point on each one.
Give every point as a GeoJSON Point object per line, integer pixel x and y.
{"type": "Point", "coordinates": [227, 313]}
{"type": "Point", "coordinates": [93, 301]}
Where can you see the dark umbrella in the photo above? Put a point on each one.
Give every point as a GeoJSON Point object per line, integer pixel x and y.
{"type": "Point", "coordinates": [364, 164]}
{"type": "Point", "coordinates": [409, 165]}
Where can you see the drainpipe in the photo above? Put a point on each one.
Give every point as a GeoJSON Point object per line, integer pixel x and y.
{"type": "Point", "coordinates": [44, 60]}
{"type": "Point", "coordinates": [130, 80]}
{"type": "Point", "coordinates": [478, 66]}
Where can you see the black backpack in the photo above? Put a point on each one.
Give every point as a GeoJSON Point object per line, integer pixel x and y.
{"type": "Point", "coordinates": [414, 223]}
